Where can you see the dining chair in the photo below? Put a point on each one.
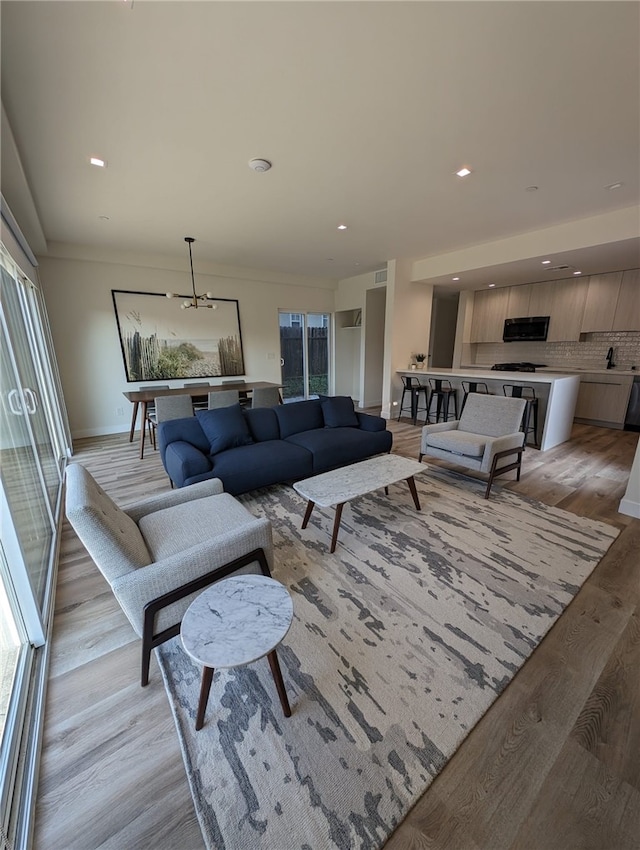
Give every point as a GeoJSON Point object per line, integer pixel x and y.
{"type": "Point", "coordinates": [266, 397]}
{"type": "Point", "coordinates": [223, 398]}
{"type": "Point", "coordinates": [244, 396]}
{"type": "Point", "coordinates": [169, 407]}
{"type": "Point", "coordinates": [151, 409]}
{"type": "Point", "coordinates": [199, 402]}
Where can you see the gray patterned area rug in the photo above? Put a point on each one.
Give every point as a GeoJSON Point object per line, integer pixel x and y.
{"type": "Point", "coordinates": [401, 641]}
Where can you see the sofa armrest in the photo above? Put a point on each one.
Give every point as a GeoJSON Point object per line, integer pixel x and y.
{"type": "Point", "coordinates": [211, 487]}
{"type": "Point", "coordinates": [183, 460]}
{"type": "Point", "coordinates": [368, 422]}
{"type": "Point", "coordinates": [500, 444]}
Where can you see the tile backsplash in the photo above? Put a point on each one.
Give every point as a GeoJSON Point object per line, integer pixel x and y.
{"type": "Point", "coordinates": [589, 353]}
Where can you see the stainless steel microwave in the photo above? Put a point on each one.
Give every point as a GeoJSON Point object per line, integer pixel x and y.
{"type": "Point", "coordinates": [526, 329]}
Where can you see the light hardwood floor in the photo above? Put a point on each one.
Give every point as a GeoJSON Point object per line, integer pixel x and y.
{"type": "Point", "coordinates": [553, 765]}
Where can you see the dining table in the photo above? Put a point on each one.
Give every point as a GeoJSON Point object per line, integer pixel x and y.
{"type": "Point", "coordinates": [140, 399]}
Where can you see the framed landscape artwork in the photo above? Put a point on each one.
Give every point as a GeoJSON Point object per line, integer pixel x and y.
{"type": "Point", "coordinates": [159, 340]}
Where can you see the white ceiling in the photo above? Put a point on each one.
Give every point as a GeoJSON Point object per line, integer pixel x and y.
{"type": "Point", "coordinates": [366, 110]}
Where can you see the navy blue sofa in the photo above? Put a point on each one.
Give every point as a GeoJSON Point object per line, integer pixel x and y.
{"type": "Point", "coordinates": [249, 448]}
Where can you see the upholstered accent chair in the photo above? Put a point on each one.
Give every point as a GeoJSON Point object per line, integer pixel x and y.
{"type": "Point", "coordinates": [159, 553]}
{"type": "Point", "coordinates": [486, 435]}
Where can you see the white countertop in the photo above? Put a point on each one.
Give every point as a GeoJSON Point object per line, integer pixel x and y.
{"type": "Point", "coordinates": [486, 374]}
{"type": "Point", "coordinates": [612, 372]}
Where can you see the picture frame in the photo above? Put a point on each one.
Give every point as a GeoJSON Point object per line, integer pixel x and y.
{"type": "Point", "coordinates": [161, 341]}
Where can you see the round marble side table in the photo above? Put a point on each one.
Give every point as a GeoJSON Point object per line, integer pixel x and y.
{"type": "Point", "coordinates": [236, 621]}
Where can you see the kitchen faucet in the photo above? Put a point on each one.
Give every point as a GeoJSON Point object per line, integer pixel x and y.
{"type": "Point", "coordinates": [610, 363]}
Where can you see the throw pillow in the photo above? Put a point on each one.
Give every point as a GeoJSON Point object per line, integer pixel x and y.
{"type": "Point", "coordinates": [338, 412]}
{"type": "Point", "coordinates": [225, 428]}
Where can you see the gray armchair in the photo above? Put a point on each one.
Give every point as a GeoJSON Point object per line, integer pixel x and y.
{"type": "Point", "coordinates": [159, 553]}
{"type": "Point", "coordinates": [486, 435]}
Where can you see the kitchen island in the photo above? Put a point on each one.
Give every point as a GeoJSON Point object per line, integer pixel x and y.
{"type": "Point", "coordinates": [557, 393]}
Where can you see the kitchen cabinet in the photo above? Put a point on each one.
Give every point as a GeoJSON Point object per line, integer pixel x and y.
{"type": "Point", "coordinates": [603, 399]}
{"type": "Point", "coordinates": [567, 307]}
{"type": "Point", "coordinates": [518, 301]}
{"type": "Point", "coordinates": [601, 301]}
{"type": "Point", "coordinates": [563, 301]}
{"type": "Point", "coordinates": [489, 313]}
{"type": "Point", "coordinates": [627, 313]}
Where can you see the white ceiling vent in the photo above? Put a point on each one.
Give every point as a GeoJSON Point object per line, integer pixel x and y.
{"type": "Point", "coordinates": [259, 164]}
{"type": "Point", "coordinates": [380, 277]}
{"type": "Point", "coordinates": [560, 268]}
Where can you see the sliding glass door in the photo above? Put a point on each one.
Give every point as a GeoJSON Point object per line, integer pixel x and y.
{"type": "Point", "coordinates": [34, 442]}
{"type": "Point", "coordinates": [304, 354]}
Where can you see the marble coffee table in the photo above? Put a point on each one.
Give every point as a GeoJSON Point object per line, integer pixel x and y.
{"type": "Point", "coordinates": [341, 485]}
{"type": "Point", "coordinates": [234, 622]}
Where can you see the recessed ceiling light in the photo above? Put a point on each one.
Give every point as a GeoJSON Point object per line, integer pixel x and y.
{"type": "Point", "coordinates": [464, 172]}
{"type": "Point", "coordinates": [614, 186]}
{"type": "Point", "coordinates": [342, 227]}
{"type": "Point", "coordinates": [491, 285]}
{"type": "Point", "coordinates": [531, 189]}
{"type": "Point", "coordinates": [577, 272]}
{"type": "Point", "coordinates": [95, 160]}
{"type": "Point", "coordinates": [546, 262]}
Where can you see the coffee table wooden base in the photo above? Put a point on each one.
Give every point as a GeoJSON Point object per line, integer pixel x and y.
{"type": "Point", "coordinates": [338, 517]}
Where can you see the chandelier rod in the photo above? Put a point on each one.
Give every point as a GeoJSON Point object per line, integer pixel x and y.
{"type": "Point", "coordinates": [189, 240]}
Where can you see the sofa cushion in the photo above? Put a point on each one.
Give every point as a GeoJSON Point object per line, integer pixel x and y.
{"type": "Point", "coordinates": [332, 447]}
{"type": "Point", "coordinates": [225, 428]}
{"type": "Point", "coordinates": [260, 464]}
{"type": "Point", "coordinates": [338, 412]}
{"type": "Point", "coordinates": [263, 423]}
{"type": "Point", "coordinates": [459, 442]}
{"type": "Point", "coordinates": [299, 416]}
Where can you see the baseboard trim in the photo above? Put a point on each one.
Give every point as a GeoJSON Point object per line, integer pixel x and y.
{"type": "Point", "coordinates": [629, 508]}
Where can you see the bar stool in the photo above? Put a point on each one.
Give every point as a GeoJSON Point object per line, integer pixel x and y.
{"type": "Point", "coordinates": [529, 394]}
{"type": "Point", "coordinates": [443, 391]}
{"type": "Point", "coordinates": [472, 387]}
{"type": "Point", "coordinates": [415, 389]}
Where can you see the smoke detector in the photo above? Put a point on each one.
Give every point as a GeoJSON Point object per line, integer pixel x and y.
{"type": "Point", "coordinates": [259, 164]}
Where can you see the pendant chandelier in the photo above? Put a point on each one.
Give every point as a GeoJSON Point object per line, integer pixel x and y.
{"type": "Point", "coordinates": [195, 300]}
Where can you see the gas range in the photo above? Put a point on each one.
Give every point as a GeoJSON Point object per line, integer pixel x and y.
{"type": "Point", "coordinates": [518, 367]}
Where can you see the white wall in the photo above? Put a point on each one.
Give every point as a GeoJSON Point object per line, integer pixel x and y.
{"type": "Point", "coordinates": [85, 337]}
{"type": "Point", "coordinates": [630, 504]}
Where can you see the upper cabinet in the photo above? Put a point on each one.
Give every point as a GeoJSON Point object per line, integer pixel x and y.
{"type": "Point", "coordinates": [489, 313]}
{"type": "Point", "coordinates": [563, 301]}
{"type": "Point", "coordinates": [627, 314]}
{"type": "Point", "coordinates": [567, 307]}
{"type": "Point", "coordinates": [518, 301]}
{"type": "Point", "coordinates": [600, 305]}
